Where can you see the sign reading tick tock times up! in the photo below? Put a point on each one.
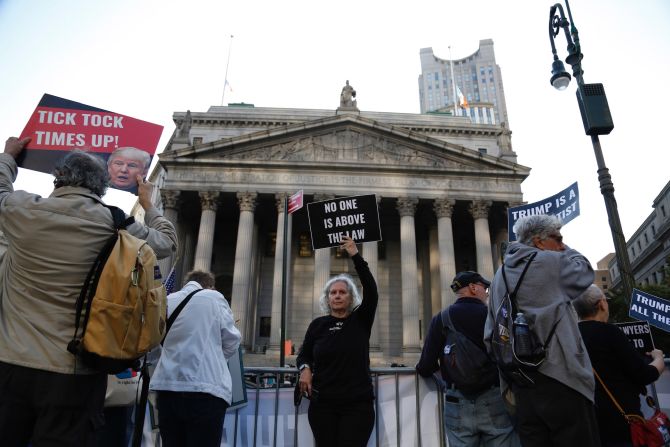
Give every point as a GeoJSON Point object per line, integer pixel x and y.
{"type": "Point", "coordinates": [331, 220]}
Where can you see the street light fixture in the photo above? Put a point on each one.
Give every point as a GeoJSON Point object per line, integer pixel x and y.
{"type": "Point", "coordinates": [597, 120]}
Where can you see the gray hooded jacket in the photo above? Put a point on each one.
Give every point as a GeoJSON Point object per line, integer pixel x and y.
{"type": "Point", "coordinates": [553, 280]}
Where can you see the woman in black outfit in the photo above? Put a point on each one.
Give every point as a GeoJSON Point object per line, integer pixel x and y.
{"type": "Point", "coordinates": [621, 368]}
{"type": "Point", "coordinates": [334, 361]}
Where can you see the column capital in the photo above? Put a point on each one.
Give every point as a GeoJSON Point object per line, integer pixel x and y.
{"type": "Point", "coordinates": [246, 200]}
{"type": "Point", "coordinates": [406, 205]}
{"type": "Point", "coordinates": [279, 201]}
{"type": "Point", "coordinates": [513, 204]}
{"type": "Point", "coordinates": [209, 200]}
{"type": "Point", "coordinates": [170, 198]}
{"type": "Point", "coordinates": [444, 207]}
{"type": "Point", "coordinates": [480, 209]}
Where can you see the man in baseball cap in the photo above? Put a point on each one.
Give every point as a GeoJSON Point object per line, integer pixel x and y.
{"type": "Point", "coordinates": [464, 279]}
{"type": "Point", "coordinates": [475, 414]}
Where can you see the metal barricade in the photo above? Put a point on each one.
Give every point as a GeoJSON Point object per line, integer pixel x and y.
{"type": "Point", "coordinates": [409, 411]}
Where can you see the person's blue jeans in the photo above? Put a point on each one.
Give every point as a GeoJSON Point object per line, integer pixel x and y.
{"type": "Point", "coordinates": [480, 421]}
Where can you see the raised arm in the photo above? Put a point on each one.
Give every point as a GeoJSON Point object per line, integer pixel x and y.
{"type": "Point", "coordinates": [370, 295]}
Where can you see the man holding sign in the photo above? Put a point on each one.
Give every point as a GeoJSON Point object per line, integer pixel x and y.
{"type": "Point", "coordinates": [48, 396]}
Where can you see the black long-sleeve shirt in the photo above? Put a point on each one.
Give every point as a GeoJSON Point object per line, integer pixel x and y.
{"type": "Point", "coordinates": [624, 371]}
{"type": "Point", "coordinates": [337, 349]}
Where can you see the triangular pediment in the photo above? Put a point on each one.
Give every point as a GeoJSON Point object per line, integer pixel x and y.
{"type": "Point", "coordinates": [344, 140]}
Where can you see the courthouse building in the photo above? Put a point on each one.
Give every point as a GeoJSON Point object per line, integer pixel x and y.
{"type": "Point", "coordinates": [443, 185]}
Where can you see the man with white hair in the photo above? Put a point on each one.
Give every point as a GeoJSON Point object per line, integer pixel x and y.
{"type": "Point", "coordinates": [557, 409]}
{"type": "Point", "coordinates": [124, 165]}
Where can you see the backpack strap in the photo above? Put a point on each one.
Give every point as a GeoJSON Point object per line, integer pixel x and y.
{"type": "Point", "coordinates": [512, 295]}
{"type": "Point", "coordinates": [177, 311]}
{"type": "Point", "coordinates": [448, 324]}
{"type": "Point", "coordinates": [141, 406]}
{"type": "Point", "coordinates": [121, 222]}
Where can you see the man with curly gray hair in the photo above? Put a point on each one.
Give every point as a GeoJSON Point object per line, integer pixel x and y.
{"type": "Point", "coordinates": [48, 395]}
{"type": "Point", "coordinates": [557, 408]}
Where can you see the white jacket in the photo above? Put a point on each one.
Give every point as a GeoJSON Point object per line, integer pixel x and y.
{"type": "Point", "coordinates": [195, 352]}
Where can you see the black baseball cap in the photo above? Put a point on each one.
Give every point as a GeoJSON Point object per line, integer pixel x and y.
{"type": "Point", "coordinates": [463, 279]}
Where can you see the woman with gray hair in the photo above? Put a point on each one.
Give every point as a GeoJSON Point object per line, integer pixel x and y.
{"type": "Point", "coordinates": [619, 366]}
{"type": "Point", "coordinates": [334, 360]}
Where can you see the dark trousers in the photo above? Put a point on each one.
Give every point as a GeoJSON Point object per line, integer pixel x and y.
{"type": "Point", "coordinates": [341, 424]}
{"type": "Point", "coordinates": [118, 427]}
{"type": "Point", "coordinates": [49, 409]}
{"type": "Point", "coordinates": [190, 419]}
{"type": "Point", "coordinates": [553, 414]}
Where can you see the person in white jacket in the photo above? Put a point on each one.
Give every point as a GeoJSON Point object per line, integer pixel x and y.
{"type": "Point", "coordinates": [192, 379]}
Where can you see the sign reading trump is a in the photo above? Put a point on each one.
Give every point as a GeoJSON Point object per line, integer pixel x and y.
{"type": "Point", "coordinates": [331, 220]}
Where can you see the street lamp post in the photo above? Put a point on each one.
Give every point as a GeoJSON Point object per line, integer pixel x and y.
{"type": "Point", "coordinates": [597, 121]}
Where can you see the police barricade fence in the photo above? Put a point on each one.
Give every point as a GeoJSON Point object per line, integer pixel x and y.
{"type": "Point", "coordinates": [409, 411]}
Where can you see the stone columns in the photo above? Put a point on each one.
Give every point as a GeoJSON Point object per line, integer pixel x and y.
{"type": "Point", "coordinates": [242, 272]}
{"type": "Point", "coordinates": [170, 200]}
{"type": "Point", "coordinates": [370, 254]}
{"type": "Point", "coordinates": [410, 287]}
{"type": "Point", "coordinates": [480, 213]}
{"type": "Point", "coordinates": [321, 267]}
{"type": "Point", "coordinates": [444, 209]}
{"type": "Point", "coordinates": [277, 281]}
{"type": "Point", "coordinates": [203, 251]}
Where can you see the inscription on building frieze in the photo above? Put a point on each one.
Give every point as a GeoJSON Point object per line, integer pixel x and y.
{"type": "Point", "coordinates": [210, 179]}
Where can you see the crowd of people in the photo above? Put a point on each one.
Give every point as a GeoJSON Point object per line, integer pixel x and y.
{"type": "Point", "coordinates": [48, 398]}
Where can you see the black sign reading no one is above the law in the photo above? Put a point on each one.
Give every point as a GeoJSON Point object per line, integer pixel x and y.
{"type": "Point", "coordinates": [331, 220]}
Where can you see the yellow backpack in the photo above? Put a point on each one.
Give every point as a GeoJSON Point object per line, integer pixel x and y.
{"type": "Point", "coordinates": [122, 307]}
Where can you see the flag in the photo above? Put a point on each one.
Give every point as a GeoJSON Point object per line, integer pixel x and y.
{"type": "Point", "coordinates": [227, 84]}
{"type": "Point", "coordinates": [170, 281]}
{"type": "Point", "coordinates": [461, 98]}
{"type": "Point", "coordinates": [295, 202]}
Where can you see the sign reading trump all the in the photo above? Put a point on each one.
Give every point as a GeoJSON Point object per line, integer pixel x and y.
{"type": "Point", "coordinates": [331, 220]}
{"type": "Point", "coordinates": [647, 307]}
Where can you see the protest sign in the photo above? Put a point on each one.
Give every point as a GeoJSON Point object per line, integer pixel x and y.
{"type": "Point", "coordinates": [647, 307]}
{"type": "Point", "coordinates": [59, 125]}
{"type": "Point", "coordinates": [639, 334]}
{"type": "Point", "coordinates": [565, 205]}
{"type": "Point", "coordinates": [331, 220]}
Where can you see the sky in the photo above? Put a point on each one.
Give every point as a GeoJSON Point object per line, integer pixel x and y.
{"type": "Point", "coordinates": [148, 59]}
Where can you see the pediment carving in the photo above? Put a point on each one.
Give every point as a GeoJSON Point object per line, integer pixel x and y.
{"type": "Point", "coordinates": [346, 145]}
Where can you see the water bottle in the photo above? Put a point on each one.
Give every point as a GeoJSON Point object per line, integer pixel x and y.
{"type": "Point", "coordinates": [522, 342]}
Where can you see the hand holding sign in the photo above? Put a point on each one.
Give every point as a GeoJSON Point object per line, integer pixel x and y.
{"type": "Point", "coordinates": [14, 146]}
{"type": "Point", "coordinates": [349, 245]}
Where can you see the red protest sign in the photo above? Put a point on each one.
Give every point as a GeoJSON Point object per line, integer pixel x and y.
{"type": "Point", "coordinates": [295, 202]}
{"type": "Point", "coordinates": [60, 125]}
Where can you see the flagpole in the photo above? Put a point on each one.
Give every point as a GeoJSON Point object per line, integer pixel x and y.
{"type": "Point", "coordinates": [284, 286]}
{"type": "Point", "coordinates": [453, 82]}
{"type": "Point", "coordinates": [225, 81]}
